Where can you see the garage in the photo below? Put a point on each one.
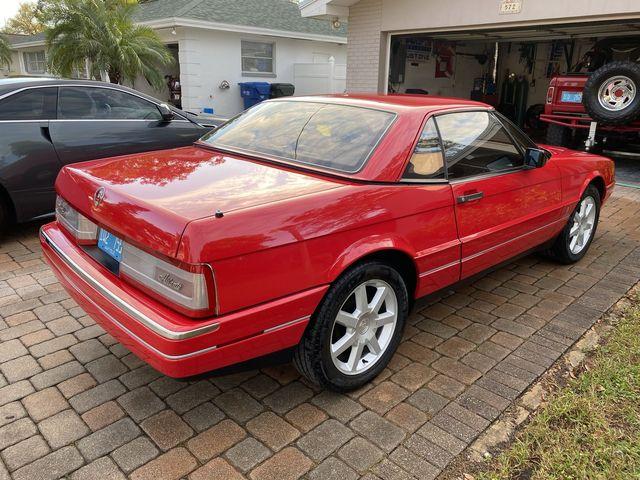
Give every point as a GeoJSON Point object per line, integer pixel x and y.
{"type": "Point", "coordinates": [535, 76]}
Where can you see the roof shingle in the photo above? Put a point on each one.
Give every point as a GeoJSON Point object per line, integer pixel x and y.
{"type": "Point", "coordinates": [283, 15]}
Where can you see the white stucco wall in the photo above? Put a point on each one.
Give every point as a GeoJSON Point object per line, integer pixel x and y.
{"type": "Point", "coordinates": [209, 57]}
{"type": "Point", "coordinates": [14, 68]}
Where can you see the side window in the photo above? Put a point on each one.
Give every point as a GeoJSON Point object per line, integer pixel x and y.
{"type": "Point", "coordinates": [427, 161]}
{"type": "Point", "coordinates": [257, 57]}
{"type": "Point", "coordinates": [32, 104]}
{"type": "Point", "coordinates": [476, 143]}
{"type": "Point", "coordinates": [35, 63]}
{"type": "Point", "coordinates": [88, 103]}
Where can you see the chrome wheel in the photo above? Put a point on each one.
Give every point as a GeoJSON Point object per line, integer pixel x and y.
{"type": "Point", "coordinates": [617, 93]}
{"type": "Point", "coordinates": [584, 221]}
{"type": "Point", "coordinates": [364, 326]}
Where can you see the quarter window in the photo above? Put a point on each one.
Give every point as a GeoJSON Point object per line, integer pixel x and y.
{"type": "Point", "coordinates": [476, 143]}
{"type": "Point", "coordinates": [427, 161]}
{"type": "Point", "coordinates": [35, 63]}
{"type": "Point", "coordinates": [518, 135]}
{"type": "Point", "coordinates": [88, 103]}
{"type": "Point", "coordinates": [257, 58]}
{"type": "Point", "coordinates": [32, 104]}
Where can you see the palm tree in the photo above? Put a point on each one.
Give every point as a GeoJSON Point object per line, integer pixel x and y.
{"type": "Point", "coordinates": [5, 52]}
{"type": "Point", "coordinates": [103, 32]}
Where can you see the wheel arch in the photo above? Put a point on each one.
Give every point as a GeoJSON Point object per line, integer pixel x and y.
{"type": "Point", "coordinates": [393, 252]}
{"type": "Point", "coordinates": [598, 182]}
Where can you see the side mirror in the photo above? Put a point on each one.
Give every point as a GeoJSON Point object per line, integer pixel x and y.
{"type": "Point", "coordinates": [166, 112]}
{"type": "Point", "coordinates": [535, 158]}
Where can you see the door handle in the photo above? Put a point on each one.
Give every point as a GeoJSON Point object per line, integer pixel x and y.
{"type": "Point", "coordinates": [46, 133]}
{"type": "Point", "coordinates": [471, 197]}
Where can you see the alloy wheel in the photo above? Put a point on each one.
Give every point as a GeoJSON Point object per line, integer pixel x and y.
{"type": "Point", "coordinates": [617, 93]}
{"type": "Point", "coordinates": [583, 223]}
{"type": "Point", "coordinates": [364, 327]}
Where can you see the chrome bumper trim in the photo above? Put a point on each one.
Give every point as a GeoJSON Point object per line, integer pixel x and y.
{"type": "Point", "coordinates": [126, 307]}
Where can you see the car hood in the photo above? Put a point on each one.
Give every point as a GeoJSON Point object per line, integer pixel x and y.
{"type": "Point", "coordinates": [151, 197]}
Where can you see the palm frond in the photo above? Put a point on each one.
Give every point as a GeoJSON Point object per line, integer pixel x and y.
{"type": "Point", "coordinates": [5, 52]}
{"type": "Point", "coordinates": [103, 32]}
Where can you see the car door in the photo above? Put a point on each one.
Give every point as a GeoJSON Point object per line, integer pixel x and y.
{"type": "Point", "coordinates": [433, 229]}
{"type": "Point", "coordinates": [97, 122]}
{"type": "Point", "coordinates": [502, 208]}
{"type": "Point", "coordinates": [28, 160]}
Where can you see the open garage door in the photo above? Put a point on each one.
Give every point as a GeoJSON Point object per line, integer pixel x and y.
{"type": "Point", "coordinates": [513, 70]}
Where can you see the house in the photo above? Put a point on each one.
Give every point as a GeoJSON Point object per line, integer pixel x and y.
{"type": "Point", "coordinates": [27, 55]}
{"type": "Point", "coordinates": [471, 48]}
{"type": "Point", "coordinates": [219, 43]}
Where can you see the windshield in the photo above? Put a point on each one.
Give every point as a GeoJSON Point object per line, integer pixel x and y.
{"type": "Point", "coordinates": [337, 137]}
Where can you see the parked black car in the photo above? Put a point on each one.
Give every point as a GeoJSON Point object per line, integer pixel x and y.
{"type": "Point", "coordinates": [48, 123]}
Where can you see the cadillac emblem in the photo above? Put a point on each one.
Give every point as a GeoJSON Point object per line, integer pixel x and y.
{"type": "Point", "coordinates": [98, 197]}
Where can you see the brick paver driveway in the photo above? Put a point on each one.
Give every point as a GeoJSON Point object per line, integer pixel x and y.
{"type": "Point", "coordinates": [74, 402]}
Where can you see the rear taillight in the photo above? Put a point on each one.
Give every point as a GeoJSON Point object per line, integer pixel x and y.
{"type": "Point", "coordinates": [79, 226]}
{"type": "Point", "coordinates": [188, 288]}
{"type": "Point", "coordinates": [550, 92]}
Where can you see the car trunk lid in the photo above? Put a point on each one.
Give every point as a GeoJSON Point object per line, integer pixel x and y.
{"type": "Point", "coordinates": [150, 198]}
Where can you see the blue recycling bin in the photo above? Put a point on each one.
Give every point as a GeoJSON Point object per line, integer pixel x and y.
{"type": "Point", "coordinates": [254, 92]}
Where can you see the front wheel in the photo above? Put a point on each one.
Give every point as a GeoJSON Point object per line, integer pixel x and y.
{"type": "Point", "coordinates": [574, 241]}
{"type": "Point", "coordinates": [356, 329]}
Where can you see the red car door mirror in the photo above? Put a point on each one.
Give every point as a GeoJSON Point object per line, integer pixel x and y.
{"type": "Point", "coordinates": [535, 158]}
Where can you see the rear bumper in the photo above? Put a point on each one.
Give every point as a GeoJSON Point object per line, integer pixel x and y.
{"type": "Point", "coordinates": [175, 345]}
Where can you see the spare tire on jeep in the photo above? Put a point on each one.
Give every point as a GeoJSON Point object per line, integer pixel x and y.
{"type": "Point", "coordinates": [611, 94]}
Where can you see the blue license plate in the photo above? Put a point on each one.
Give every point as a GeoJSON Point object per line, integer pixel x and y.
{"type": "Point", "coordinates": [110, 244]}
{"type": "Point", "coordinates": [571, 97]}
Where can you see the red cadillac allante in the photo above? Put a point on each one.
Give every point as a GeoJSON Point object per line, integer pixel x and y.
{"type": "Point", "coordinates": [312, 223]}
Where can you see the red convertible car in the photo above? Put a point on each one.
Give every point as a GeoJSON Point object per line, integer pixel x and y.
{"type": "Point", "coordinates": [312, 223]}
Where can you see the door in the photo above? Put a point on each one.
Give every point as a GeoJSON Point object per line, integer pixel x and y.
{"type": "Point", "coordinates": [502, 208]}
{"type": "Point", "coordinates": [28, 161]}
{"type": "Point", "coordinates": [432, 228]}
{"type": "Point", "coordinates": [98, 122]}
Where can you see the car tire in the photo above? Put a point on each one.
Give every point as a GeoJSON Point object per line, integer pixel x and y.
{"type": "Point", "coordinates": [338, 350]}
{"type": "Point", "coordinates": [600, 97]}
{"type": "Point", "coordinates": [569, 247]}
{"type": "Point", "coordinates": [558, 135]}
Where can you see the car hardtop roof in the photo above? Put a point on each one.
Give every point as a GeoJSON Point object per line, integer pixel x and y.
{"type": "Point", "coordinates": [36, 81]}
{"type": "Point", "coordinates": [7, 85]}
{"type": "Point", "coordinates": [392, 102]}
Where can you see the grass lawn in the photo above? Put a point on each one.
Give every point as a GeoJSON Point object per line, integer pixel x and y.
{"type": "Point", "coordinates": [589, 429]}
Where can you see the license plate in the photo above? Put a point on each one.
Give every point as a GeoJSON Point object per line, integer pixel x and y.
{"type": "Point", "coordinates": [571, 97]}
{"type": "Point", "coordinates": [110, 244]}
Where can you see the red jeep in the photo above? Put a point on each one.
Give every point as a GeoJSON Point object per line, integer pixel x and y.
{"type": "Point", "coordinates": [602, 88]}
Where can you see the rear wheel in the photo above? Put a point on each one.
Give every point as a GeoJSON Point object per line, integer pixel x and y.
{"type": "Point", "coordinates": [575, 239]}
{"type": "Point", "coordinates": [611, 94]}
{"type": "Point", "coordinates": [558, 135]}
{"type": "Point", "coordinates": [356, 329]}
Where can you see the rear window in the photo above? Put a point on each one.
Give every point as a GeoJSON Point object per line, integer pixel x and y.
{"type": "Point", "coordinates": [336, 137]}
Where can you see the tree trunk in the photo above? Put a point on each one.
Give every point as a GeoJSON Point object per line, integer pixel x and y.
{"type": "Point", "coordinates": [115, 77]}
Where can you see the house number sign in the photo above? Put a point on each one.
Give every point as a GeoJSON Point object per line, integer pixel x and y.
{"type": "Point", "coordinates": [508, 7]}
